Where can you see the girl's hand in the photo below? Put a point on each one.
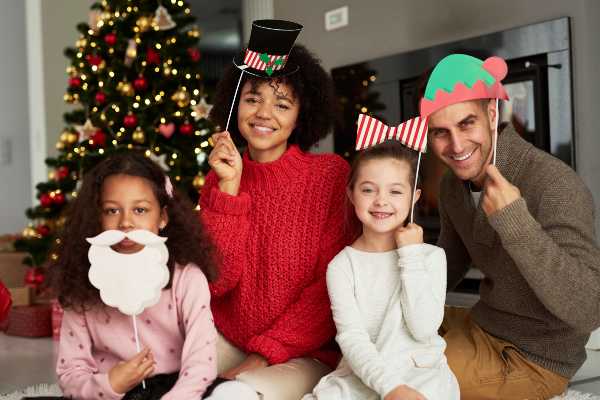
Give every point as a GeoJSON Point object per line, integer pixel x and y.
{"type": "Point", "coordinates": [226, 161]}
{"type": "Point", "coordinates": [252, 362]}
{"type": "Point", "coordinates": [128, 374]}
{"type": "Point", "coordinates": [404, 392]}
{"type": "Point", "coordinates": [409, 234]}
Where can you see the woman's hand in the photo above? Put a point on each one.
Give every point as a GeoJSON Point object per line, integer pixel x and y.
{"type": "Point", "coordinates": [403, 392]}
{"type": "Point", "coordinates": [128, 374]}
{"type": "Point", "coordinates": [409, 234]}
{"type": "Point", "coordinates": [252, 362]}
{"type": "Point", "coordinates": [226, 161]}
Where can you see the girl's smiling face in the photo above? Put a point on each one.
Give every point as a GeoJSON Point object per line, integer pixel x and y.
{"type": "Point", "coordinates": [381, 195]}
{"type": "Point", "coordinates": [128, 203]}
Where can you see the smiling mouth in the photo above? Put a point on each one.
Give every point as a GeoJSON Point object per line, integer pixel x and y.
{"type": "Point", "coordinates": [463, 157]}
{"type": "Point", "coordinates": [380, 215]}
{"type": "Point", "coordinates": [261, 129]}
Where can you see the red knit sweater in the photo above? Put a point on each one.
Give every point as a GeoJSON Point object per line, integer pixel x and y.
{"type": "Point", "coordinates": [275, 240]}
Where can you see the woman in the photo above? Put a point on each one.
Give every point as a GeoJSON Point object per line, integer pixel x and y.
{"type": "Point", "coordinates": [277, 217]}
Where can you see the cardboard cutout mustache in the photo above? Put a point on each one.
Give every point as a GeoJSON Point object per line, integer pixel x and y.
{"type": "Point", "coordinates": [129, 282]}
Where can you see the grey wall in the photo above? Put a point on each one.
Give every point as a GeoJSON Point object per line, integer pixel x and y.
{"type": "Point", "coordinates": [15, 192]}
{"type": "Point", "coordinates": [384, 27]}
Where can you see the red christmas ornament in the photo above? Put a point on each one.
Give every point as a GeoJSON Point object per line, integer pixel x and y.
{"type": "Point", "coordinates": [45, 200]}
{"type": "Point", "coordinates": [186, 129]}
{"type": "Point", "coordinates": [140, 83]}
{"type": "Point", "coordinates": [59, 199]}
{"type": "Point", "coordinates": [34, 277]}
{"type": "Point", "coordinates": [62, 172]}
{"type": "Point", "coordinates": [194, 54]}
{"type": "Point", "coordinates": [152, 56]}
{"type": "Point", "coordinates": [93, 59]}
{"type": "Point", "coordinates": [130, 121]}
{"type": "Point", "coordinates": [110, 39]}
{"type": "Point", "coordinates": [74, 81]}
{"type": "Point", "coordinates": [43, 230]}
{"type": "Point", "coordinates": [100, 97]}
{"type": "Point", "coordinates": [98, 138]}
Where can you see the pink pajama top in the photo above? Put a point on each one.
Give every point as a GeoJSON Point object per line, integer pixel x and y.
{"type": "Point", "coordinates": [179, 330]}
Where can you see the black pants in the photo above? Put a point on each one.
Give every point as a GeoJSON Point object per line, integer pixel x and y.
{"type": "Point", "coordinates": [156, 387]}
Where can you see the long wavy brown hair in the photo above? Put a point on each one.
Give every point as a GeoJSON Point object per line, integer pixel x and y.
{"type": "Point", "coordinates": [187, 242]}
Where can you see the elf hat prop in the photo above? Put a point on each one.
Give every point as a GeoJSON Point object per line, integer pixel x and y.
{"type": "Point", "coordinates": [459, 77]}
{"type": "Point", "coordinates": [271, 41]}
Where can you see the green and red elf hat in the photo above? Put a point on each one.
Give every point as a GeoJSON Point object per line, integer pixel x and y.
{"type": "Point", "coordinates": [459, 77]}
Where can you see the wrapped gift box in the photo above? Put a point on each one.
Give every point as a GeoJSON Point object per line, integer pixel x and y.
{"type": "Point", "coordinates": [12, 270]}
{"type": "Point", "coordinates": [30, 321]}
{"type": "Point", "coordinates": [21, 296]}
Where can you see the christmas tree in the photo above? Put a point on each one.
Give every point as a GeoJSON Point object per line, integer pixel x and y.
{"type": "Point", "coordinates": [134, 78]}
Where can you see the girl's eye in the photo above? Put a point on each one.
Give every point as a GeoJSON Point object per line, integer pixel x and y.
{"type": "Point", "coordinates": [140, 210]}
{"type": "Point", "coordinates": [396, 192]}
{"type": "Point", "coordinates": [251, 100]}
{"type": "Point", "coordinates": [283, 106]}
{"type": "Point", "coordinates": [111, 211]}
{"type": "Point", "coordinates": [367, 190]}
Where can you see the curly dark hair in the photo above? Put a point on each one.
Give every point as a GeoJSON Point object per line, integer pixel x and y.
{"type": "Point", "coordinates": [69, 274]}
{"type": "Point", "coordinates": [310, 84]}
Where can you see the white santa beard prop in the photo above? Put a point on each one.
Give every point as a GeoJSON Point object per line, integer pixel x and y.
{"type": "Point", "coordinates": [129, 282]}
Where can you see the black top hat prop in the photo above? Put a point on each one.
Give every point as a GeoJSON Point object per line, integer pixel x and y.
{"type": "Point", "coordinates": [271, 41]}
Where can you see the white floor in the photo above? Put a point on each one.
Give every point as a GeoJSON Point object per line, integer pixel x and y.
{"type": "Point", "coordinates": [25, 362]}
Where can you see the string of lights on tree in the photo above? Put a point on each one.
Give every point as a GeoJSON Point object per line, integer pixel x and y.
{"type": "Point", "coordinates": [135, 83]}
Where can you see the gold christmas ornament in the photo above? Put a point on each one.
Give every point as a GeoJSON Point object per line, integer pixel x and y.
{"type": "Point", "coordinates": [138, 135]}
{"type": "Point", "coordinates": [198, 181]}
{"type": "Point", "coordinates": [81, 42]}
{"type": "Point", "coordinates": [181, 97]}
{"type": "Point", "coordinates": [52, 175]}
{"type": "Point", "coordinates": [72, 138]}
{"type": "Point", "coordinates": [29, 232]}
{"type": "Point", "coordinates": [144, 23]}
{"type": "Point", "coordinates": [125, 88]}
{"type": "Point", "coordinates": [194, 32]}
{"type": "Point", "coordinates": [60, 146]}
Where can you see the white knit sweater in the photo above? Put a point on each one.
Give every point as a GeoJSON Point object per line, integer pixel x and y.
{"type": "Point", "coordinates": [387, 309]}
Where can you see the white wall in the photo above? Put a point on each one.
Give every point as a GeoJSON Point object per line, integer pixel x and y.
{"type": "Point", "coordinates": [15, 182]}
{"type": "Point", "coordinates": [384, 27]}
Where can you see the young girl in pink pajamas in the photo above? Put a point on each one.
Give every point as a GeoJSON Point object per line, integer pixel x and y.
{"type": "Point", "coordinates": [97, 357]}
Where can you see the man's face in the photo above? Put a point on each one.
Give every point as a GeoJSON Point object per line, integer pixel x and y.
{"type": "Point", "coordinates": [460, 135]}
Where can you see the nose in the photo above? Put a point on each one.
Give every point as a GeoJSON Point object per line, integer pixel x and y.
{"type": "Point", "coordinates": [456, 142]}
{"type": "Point", "coordinates": [381, 199]}
{"type": "Point", "coordinates": [264, 110]}
{"type": "Point", "coordinates": [126, 222]}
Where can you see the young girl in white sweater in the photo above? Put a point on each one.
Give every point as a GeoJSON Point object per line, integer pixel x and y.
{"type": "Point", "coordinates": [387, 292]}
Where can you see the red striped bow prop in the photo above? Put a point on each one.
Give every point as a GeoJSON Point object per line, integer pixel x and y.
{"type": "Point", "coordinates": [412, 133]}
{"type": "Point", "coordinates": [264, 62]}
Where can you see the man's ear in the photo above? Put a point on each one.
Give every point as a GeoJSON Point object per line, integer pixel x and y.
{"type": "Point", "coordinates": [492, 112]}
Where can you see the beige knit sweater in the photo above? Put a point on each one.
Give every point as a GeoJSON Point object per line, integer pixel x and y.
{"type": "Point", "coordinates": [539, 255]}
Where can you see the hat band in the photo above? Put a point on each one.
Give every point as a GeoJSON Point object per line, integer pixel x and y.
{"type": "Point", "coordinates": [264, 62]}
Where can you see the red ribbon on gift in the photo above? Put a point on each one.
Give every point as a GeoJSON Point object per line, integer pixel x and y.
{"type": "Point", "coordinates": [34, 277]}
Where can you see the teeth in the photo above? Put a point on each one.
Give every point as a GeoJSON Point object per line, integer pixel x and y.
{"type": "Point", "coordinates": [459, 158]}
{"type": "Point", "coordinates": [263, 128]}
{"type": "Point", "coordinates": [380, 215]}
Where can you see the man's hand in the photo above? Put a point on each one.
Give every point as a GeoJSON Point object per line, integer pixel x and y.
{"type": "Point", "coordinates": [403, 392]}
{"type": "Point", "coordinates": [497, 191]}
{"type": "Point", "coordinates": [128, 374]}
{"type": "Point", "coordinates": [252, 362]}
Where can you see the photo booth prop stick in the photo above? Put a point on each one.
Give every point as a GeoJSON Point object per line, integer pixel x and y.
{"type": "Point", "coordinates": [412, 134]}
{"type": "Point", "coordinates": [459, 77]}
{"type": "Point", "coordinates": [271, 41]}
{"type": "Point", "coordinates": [129, 282]}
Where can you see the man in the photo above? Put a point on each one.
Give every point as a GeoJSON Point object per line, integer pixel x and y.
{"type": "Point", "coordinates": [528, 224]}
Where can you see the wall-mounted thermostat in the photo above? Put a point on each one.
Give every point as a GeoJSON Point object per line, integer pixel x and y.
{"type": "Point", "coordinates": [337, 18]}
